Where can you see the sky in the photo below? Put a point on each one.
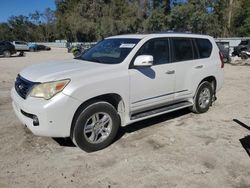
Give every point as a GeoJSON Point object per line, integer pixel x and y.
{"type": "Point", "coordinates": [16, 7]}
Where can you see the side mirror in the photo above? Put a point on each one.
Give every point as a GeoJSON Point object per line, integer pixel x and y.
{"type": "Point", "coordinates": [144, 61]}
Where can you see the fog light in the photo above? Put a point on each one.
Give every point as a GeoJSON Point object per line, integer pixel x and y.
{"type": "Point", "coordinates": [35, 120]}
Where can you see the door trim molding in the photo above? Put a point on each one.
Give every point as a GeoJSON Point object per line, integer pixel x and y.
{"type": "Point", "coordinates": [159, 96]}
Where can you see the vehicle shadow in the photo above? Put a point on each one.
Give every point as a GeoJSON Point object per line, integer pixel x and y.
{"type": "Point", "coordinates": [13, 56]}
{"type": "Point", "coordinates": [150, 122]}
{"type": "Point", "coordinates": [245, 142]}
{"type": "Point", "coordinates": [67, 142]}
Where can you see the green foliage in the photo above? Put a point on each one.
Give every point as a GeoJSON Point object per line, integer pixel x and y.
{"type": "Point", "coordinates": [242, 19]}
{"type": "Point", "coordinates": [91, 20]}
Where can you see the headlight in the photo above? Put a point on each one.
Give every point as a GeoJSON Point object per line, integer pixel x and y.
{"type": "Point", "coordinates": [48, 89]}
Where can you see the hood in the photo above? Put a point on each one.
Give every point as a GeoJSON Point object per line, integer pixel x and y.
{"type": "Point", "coordinates": [60, 70]}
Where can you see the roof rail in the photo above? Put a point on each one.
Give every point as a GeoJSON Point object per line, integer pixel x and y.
{"type": "Point", "coordinates": [173, 31]}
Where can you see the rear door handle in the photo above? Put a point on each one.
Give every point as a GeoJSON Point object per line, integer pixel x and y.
{"type": "Point", "coordinates": [170, 72]}
{"type": "Point", "coordinates": [199, 67]}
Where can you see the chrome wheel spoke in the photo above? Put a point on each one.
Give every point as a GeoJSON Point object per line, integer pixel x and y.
{"type": "Point", "coordinates": [98, 127]}
{"type": "Point", "coordinates": [204, 98]}
{"type": "Point", "coordinates": [95, 118]}
{"type": "Point", "coordinates": [92, 136]}
{"type": "Point", "coordinates": [96, 136]}
{"type": "Point", "coordinates": [105, 119]}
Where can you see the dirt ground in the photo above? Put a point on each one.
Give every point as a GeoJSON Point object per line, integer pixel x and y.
{"type": "Point", "coordinates": [179, 149]}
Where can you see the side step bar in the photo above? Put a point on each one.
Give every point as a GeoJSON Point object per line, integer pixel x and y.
{"type": "Point", "coordinates": [161, 110]}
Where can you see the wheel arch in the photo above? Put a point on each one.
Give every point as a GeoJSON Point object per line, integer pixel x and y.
{"type": "Point", "coordinates": [114, 99]}
{"type": "Point", "coordinates": [212, 80]}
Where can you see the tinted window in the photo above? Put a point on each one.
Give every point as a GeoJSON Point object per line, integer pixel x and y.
{"type": "Point", "coordinates": [158, 48]}
{"type": "Point", "coordinates": [182, 49]}
{"type": "Point", "coordinates": [204, 47]}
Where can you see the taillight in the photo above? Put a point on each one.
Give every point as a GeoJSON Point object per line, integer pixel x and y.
{"type": "Point", "coordinates": [221, 59]}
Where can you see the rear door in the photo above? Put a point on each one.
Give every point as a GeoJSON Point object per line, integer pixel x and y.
{"type": "Point", "coordinates": [191, 57]}
{"type": "Point", "coordinates": [183, 57]}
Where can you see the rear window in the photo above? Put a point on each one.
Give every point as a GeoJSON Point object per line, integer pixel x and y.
{"type": "Point", "coordinates": [182, 49]}
{"type": "Point", "coordinates": [22, 43]}
{"type": "Point", "coordinates": [204, 47]}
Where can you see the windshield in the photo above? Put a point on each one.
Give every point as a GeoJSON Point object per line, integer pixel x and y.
{"type": "Point", "coordinates": [110, 51]}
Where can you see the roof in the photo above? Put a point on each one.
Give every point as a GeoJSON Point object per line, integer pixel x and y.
{"type": "Point", "coordinates": [141, 36]}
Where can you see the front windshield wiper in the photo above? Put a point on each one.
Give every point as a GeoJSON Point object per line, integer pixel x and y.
{"type": "Point", "coordinates": [96, 60]}
{"type": "Point", "coordinates": [92, 59]}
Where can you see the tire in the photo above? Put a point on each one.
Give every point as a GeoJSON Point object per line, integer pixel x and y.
{"type": "Point", "coordinates": [6, 53]}
{"type": "Point", "coordinates": [203, 98]}
{"type": "Point", "coordinates": [244, 56]}
{"type": "Point", "coordinates": [95, 127]}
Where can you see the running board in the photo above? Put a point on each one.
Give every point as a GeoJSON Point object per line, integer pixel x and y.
{"type": "Point", "coordinates": [162, 110]}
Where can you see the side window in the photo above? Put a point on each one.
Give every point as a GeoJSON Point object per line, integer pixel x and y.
{"type": "Point", "coordinates": [204, 47]}
{"type": "Point", "coordinates": [158, 48]}
{"type": "Point", "coordinates": [182, 49]}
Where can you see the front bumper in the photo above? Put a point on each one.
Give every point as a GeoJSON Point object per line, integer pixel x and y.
{"type": "Point", "coordinates": [55, 115]}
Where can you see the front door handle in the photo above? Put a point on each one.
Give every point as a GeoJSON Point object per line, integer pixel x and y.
{"type": "Point", "coordinates": [199, 67]}
{"type": "Point", "coordinates": [170, 72]}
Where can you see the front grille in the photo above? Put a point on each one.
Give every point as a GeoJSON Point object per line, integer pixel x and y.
{"type": "Point", "coordinates": [23, 86]}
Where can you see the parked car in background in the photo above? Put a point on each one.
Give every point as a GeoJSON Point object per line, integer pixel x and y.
{"type": "Point", "coordinates": [21, 46]}
{"type": "Point", "coordinates": [43, 47]}
{"type": "Point", "coordinates": [245, 54]}
{"type": "Point", "coordinates": [38, 47]}
{"type": "Point", "coordinates": [243, 46]}
{"type": "Point", "coordinates": [7, 48]}
{"type": "Point", "coordinates": [121, 80]}
{"type": "Point", "coordinates": [33, 47]}
{"type": "Point", "coordinates": [78, 49]}
{"type": "Point", "coordinates": [225, 51]}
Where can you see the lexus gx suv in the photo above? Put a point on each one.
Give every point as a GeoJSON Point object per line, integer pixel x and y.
{"type": "Point", "coordinates": [121, 80]}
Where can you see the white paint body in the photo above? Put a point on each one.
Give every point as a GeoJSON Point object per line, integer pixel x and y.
{"type": "Point", "coordinates": [20, 46]}
{"type": "Point", "coordinates": [89, 80]}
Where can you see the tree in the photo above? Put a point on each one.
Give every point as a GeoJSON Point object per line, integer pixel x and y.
{"type": "Point", "coordinates": [241, 21]}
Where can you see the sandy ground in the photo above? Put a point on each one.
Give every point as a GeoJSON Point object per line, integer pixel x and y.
{"type": "Point", "coordinates": [180, 149]}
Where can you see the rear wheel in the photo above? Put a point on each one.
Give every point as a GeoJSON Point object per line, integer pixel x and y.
{"type": "Point", "coordinates": [96, 126]}
{"type": "Point", "coordinates": [203, 98]}
{"type": "Point", "coordinates": [6, 53]}
{"type": "Point", "coordinates": [244, 56]}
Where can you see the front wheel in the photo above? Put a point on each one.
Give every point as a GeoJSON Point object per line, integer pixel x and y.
{"type": "Point", "coordinates": [203, 98]}
{"type": "Point", "coordinates": [96, 126]}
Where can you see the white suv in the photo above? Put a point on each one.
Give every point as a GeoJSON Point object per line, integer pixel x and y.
{"type": "Point", "coordinates": [121, 80]}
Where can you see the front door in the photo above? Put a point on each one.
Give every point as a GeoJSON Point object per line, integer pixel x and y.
{"type": "Point", "coordinates": [152, 86]}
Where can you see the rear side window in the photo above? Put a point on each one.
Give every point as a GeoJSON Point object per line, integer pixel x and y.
{"type": "Point", "coordinates": [182, 49]}
{"type": "Point", "coordinates": [204, 47]}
